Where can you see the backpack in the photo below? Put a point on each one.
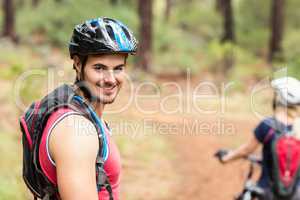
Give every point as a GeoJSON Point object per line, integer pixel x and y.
{"type": "Point", "coordinates": [32, 123]}
{"type": "Point", "coordinates": [285, 172]}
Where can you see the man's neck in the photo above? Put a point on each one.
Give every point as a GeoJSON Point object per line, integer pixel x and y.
{"type": "Point", "coordinates": [99, 108]}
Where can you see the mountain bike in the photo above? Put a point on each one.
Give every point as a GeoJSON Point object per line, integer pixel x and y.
{"type": "Point", "coordinates": [250, 190]}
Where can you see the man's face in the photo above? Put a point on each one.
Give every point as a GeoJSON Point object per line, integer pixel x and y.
{"type": "Point", "coordinates": [104, 75]}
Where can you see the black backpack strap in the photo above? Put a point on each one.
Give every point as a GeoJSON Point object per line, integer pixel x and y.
{"type": "Point", "coordinates": [102, 179]}
{"type": "Point", "coordinates": [63, 97]}
{"type": "Point", "coordinates": [60, 97]}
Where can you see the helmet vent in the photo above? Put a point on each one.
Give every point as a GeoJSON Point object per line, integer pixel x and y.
{"type": "Point", "coordinates": [110, 32]}
{"type": "Point", "coordinates": [126, 33]}
{"type": "Point", "coordinates": [94, 24]}
{"type": "Point", "coordinates": [107, 20]}
{"type": "Point", "coordinates": [99, 33]}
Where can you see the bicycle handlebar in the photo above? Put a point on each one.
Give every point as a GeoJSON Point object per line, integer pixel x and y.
{"type": "Point", "coordinates": [250, 188]}
{"type": "Point", "coordinates": [254, 159]}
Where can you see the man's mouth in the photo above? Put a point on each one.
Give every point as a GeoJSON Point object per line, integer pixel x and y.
{"type": "Point", "coordinates": [108, 89]}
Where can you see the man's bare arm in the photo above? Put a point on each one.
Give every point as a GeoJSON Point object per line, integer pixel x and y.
{"type": "Point", "coordinates": [74, 147]}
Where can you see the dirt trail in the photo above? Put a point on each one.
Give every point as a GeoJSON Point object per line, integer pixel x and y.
{"type": "Point", "coordinates": [198, 174]}
{"type": "Point", "coordinates": [201, 176]}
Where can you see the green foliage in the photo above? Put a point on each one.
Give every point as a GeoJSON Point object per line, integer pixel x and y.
{"type": "Point", "coordinates": [12, 61]}
{"type": "Point", "coordinates": [175, 50]}
{"type": "Point", "coordinates": [55, 21]}
{"type": "Point", "coordinates": [28, 91]}
{"type": "Point", "coordinates": [293, 68]}
{"type": "Point", "coordinates": [292, 14]}
{"type": "Point", "coordinates": [20, 57]}
{"type": "Point", "coordinates": [11, 184]}
{"type": "Point", "coordinates": [291, 45]}
{"type": "Point", "coordinates": [17, 66]}
{"type": "Point", "coordinates": [246, 65]}
{"type": "Point", "coordinates": [179, 43]}
{"type": "Point", "coordinates": [292, 53]}
{"type": "Point", "coordinates": [252, 24]}
{"type": "Point", "coordinates": [190, 39]}
{"type": "Point", "coordinates": [216, 52]}
{"type": "Point", "coordinates": [11, 72]}
{"type": "Point", "coordinates": [199, 18]}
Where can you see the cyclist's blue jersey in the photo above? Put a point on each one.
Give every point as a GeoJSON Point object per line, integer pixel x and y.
{"type": "Point", "coordinates": [261, 134]}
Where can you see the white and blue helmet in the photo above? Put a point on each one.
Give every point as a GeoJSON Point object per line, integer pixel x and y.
{"type": "Point", "coordinates": [287, 91]}
{"type": "Point", "coordinates": [102, 35]}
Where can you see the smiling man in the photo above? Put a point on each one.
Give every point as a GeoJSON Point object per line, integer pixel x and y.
{"type": "Point", "coordinates": [77, 158]}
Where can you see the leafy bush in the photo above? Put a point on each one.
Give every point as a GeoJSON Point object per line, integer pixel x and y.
{"type": "Point", "coordinates": [55, 21]}
{"type": "Point", "coordinates": [252, 25]}
{"type": "Point", "coordinates": [175, 50]}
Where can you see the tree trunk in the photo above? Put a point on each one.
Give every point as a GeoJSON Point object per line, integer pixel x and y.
{"type": "Point", "coordinates": [169, 4]}
{"type": "Point", "coordinates": [145, 29]}
{"type": "Point", "coordinates": [114, 2]}
{"type": "Point", "coordinates": [20, 4]}
{"type": "Point", "coordinates": [277, 26]}
{"type": "Point", "coordinates": [35, 3]}
{"type": "Point", "coordinates": [9, 20]}
{"type": "Point", "coordinates": [226, 10]}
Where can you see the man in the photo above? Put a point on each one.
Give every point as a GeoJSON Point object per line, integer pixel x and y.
{"type": "Point", "coordinates": [69, 146]}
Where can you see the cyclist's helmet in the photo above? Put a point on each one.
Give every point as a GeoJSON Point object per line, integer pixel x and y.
{"type": "Point", "coordinates": [102, 35]}
{"type": "Point", "coordinates": [287, 91]}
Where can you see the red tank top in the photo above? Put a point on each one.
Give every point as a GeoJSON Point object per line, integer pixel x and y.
{"type": "Point", "coordinates": [112, 165]}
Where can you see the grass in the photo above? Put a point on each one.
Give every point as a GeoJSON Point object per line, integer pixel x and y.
{"type": "Point", "coordinates": [11, 183]}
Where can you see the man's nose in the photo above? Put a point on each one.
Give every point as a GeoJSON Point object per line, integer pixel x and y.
{"type": "Point", "coordinates": [109, 76]}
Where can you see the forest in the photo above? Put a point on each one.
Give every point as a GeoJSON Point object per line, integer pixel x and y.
{"type": "Point", "coordinates": [222, 41]}
{"type": "Point", "coordinates": [235, 39]}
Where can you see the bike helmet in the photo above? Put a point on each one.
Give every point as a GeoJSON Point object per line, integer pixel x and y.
{"type": "Point", "coordinates": [102, 35]}
{"type": "Point", "coordinates": [287, 91]}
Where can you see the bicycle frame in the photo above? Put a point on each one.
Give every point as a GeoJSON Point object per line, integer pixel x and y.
{"type": "Point", "coordinates": [251, 190]}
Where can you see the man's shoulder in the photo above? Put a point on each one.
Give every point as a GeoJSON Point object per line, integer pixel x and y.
{"type": "Point", "coordinates": [75, 123]}
{"type": "Point", "coordinates": [74, 136]}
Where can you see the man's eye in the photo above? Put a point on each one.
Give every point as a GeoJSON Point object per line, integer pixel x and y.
{"type": "Point", "coordinates": [119, 69]}
{"type": "Point", "coordinates": [100, 68]}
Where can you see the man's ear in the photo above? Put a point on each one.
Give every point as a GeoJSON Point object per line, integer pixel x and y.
{"type": "Point", "coordinates": [77, 63]}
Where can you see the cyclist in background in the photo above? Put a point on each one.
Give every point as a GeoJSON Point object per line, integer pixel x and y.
{"type": "Point", "coordinates": [286, 110]}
